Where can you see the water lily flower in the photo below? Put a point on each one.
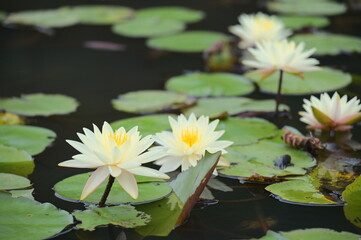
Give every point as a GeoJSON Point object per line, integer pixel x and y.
{"type": "Point", "coordinates": [188, 142]}
{"type": "Point", "coordinates": [270, 56]}
{"type": "Point", "coordinates": [113, 153]}
{"type": "Point", "coordinates": [258, 27]}
{"type": "Point", "coordinates": [328, 113]}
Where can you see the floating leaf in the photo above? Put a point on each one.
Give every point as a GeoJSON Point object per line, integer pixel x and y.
{"type": "Point", "coordinates": [181, 14]}
{"type": "Point", "coordinates": [125, 216]}
{"type": "Point", "coordinates": [327, 43]}
{"type": "Point", "coordinates": [20, 218]}
{"type": "Point", "coordinates": [190, 41]}
{"type": "Point", "coordinates": [148, 27]}
{"type": "Point", "coordinates": [71, 188]}
{"type": "Point", "coordinates": [10, 119]}
{"type": "Point", "coordinates": [297, 22]}
{"type": "Point", "coordinates": [10, 181]}
{"type": "Point", "coordinates": [271, 235]}
{"type": "Point", "coordinates": [102, 14]}
{"type": "Point", "coordinates": [39, 104]}
{"type": "Point", "coordinates": [62, 17]}
{"type": "Point", "coordinates": [307, 7]}
{"type": "Point", "coordinates": [352, 197]}
{"type": "Point", "coordinates": [13, 160]}
{"type": "Point", "coordinates": [147, 125]}
{"type": "Point", "coordinates": [221, 106]}
{"type": "Point", "coordinates": [2, 15]}
{"type": "Point", "coordinates": [246, 130]}
{"type": "Point", "coordinates": [210, 84]}
{"type": "Point", "coordinates": [28, 138]}
{"type": "Point", "coordinates": [22, 193]}
{"type": "Point", "coordinates": [324, 80]}
{"type": "Point", "coordinates": [319, 234]}
{"type": "Point", "coordinates": [148, 101]}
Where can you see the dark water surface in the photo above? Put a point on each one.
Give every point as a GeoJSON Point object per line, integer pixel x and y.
{"type": "Point", "coordinates": [34, 62]}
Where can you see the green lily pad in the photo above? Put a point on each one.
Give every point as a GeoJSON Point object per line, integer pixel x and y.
{"type": "Point", "coordinates": [210, 84]}
{"type": "Point", "coordinates": [28, 138]}
{"type": "Point", "coordinates": [53, 18]}
{"type": "Point", "coordinates": [71, 188]}
{"type": "Point", "coordinates": [352, 197]}
{"type": "Point", "coordinates": [102, 14]}
{"type": "Point", "coordinates": [221, 106]}
{"type": "Point", "coordinates": [297, 22]}
{"type": "Point", "coordinates": [246, 130]}
{"type": "Point", "coordinates": [2, 15]}
{"type": "Point", "coordinates": [148, 27]}
{"type": "Point", "coordinates": [327, 43]}
{"type": "Point", "coordinates": [21, 218]}
{"type": "Point", "coordinates": [189, 41]}
{"type": "Point", "coordinates": [307, 7]}
{"type": "Point", "coordinates": [147, 125]}
{"type": "Point", "coordinates": [271, 235]}
{"type": "Point", "coordinates": [125, 216]}
{"type": "Point", "coordinates": [39, 104]}
{"type": "Point", "coordinates": [10, 181]}
{"type": "Point", "coordinates": [319, 234]}
{"type": "Point", "coordinates": [148, 101]}
{"type": "Point", "coordinates": [13, 160]}
{"type": "Point", "coordinates": [324, 80]}
{"type": "Point", "coordinates": [181, 14]}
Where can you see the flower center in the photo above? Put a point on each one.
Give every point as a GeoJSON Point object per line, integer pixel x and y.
{"type": "Point", "coordinates": [119, 138]}
{"type": "Point", "coordinates": [266, 24]}
{"type": "Point", "coordinates": [190, 136]}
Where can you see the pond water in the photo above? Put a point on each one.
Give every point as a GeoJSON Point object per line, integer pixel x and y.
{"type": "Point", "coordinates": [35, 62]}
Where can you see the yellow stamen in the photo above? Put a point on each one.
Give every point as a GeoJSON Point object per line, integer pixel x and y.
{"type": "Point", "coordinates": [266, 25]}
{"type": "Point", "coordinates": [190, 136]}
{"type": "Point", "coordinates": [119, 138]}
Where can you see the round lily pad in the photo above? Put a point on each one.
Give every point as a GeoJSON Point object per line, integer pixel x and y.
{"type": "Point", "coordinates": [190, 41]}
{"type": "Point", "coordinates": [147, 125]}
{"type": "Point", "coordinates": [307, 7]}
{"type": "Point", "coordinates": [210, 84]}
{"type": "Point", "coordinates": [181, 14]}
{"type": "Point", "coordinates": [148, 27]}
{"type": "Point", "coordinates": [22, 218]}
{"type": "Point", "coordinates": [319, 234]}
{"type": "Point", "coordinates": [10, 181]}
{"type": "Point", "coordinates": [352, 197]}
{"type": "Point", "coordinates": [148, 101]}
{"type": "Point", "coordinates": [102, 14]}
{"type": "Point", "coordinates": [71, 188]}
{"type": "Point", "coordinates": [13, 160]}
{"type": "Point", "coordinates": [324, 80]}
{"type": "Point", "coordinates": [216, 107]}
{"type": "Point", "coordinates": [62, 17]}
{"type": "Point", "coordinates": [39, 104]}
{"type": "Point", "coordinates": [297, 22]}
{"type": "Point", "coordinates": [327, 43]}
{"type": "Point", "coordinates": [28, 138]}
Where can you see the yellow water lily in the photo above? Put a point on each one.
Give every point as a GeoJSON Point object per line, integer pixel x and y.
{"type": "Point", "coordinates": [258, 27]}
{"type": "Point", "coordinates": [328, 113]}
{"type": "Point", "coordinates": [188, 142]}
{"type": "Point", "coordinates": [113, 153]}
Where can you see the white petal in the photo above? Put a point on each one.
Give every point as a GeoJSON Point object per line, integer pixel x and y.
{"type": "Point", "coordinates": [78, 164]}
{"type": "Point", "coordinates": [94, 181]}
{"type": "Point", "coordinates": [128, 183]}
{"type": "Point", "coordinates": [149, 172]}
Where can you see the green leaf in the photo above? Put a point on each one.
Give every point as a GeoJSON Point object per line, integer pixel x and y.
{"type": "Point", "coordinates": [352, 197]}
{"type": "Point", "coordinates": [271, 235]}
{"type": "Point", "coordinates": [125, 216]}
{"type": "Point", "coordinates": [324, 80]}
{"type": "Point", "coordinates": [246, 130]}
{"type": "Point", "coordinates": [319, 234]}
{"type": "Point", "coordinates": [297, 22]}
{"type": "Point", "coordinates": [327, 43]}
{"type": "Point", "coordinates": [71, 188]}
{"type": "Point", "coordinates": [210, 84]}
{"type": "Point", "coordinates": [22, 193]}
{"type": "Point", "coordinates": [189, 41]}
{"type": "Point", "coordinates": [28, 138]}
{"type": "Point", "coordinates": [21, 218]}
{"type": "Point", "coordinates": [221, 106]}
{"type": "Point", "coordinates": [13, 160]}
{"type": "Point", "coordinates": [102, 14]}
{"type": "Point", "coordinates": [62, 17]}
{"type": "Point", "coordinates": [148, 101]}
{"type": "Point", "coordinates": [181, 14]}
{"type": "Point", "coordinates": [10, 181]}
{"type": "Point", "coordinates": [2, 15]}
{"type": "Point", "coordinates": [39, 104]}
{"type": "Point", "coordinates": [148, 27]}
{"type": "Point", "coordinates": [307, 7]}
{"type": "Point", "coordinates": [147, 125]}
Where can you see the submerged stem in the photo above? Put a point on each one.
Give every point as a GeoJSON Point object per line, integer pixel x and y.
{"type": "Point", "coordinates": [278, 97]}
{"type": "Point", "coordinates": [107, 191]}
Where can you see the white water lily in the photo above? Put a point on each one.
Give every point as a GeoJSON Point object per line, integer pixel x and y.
{"type": "Point", "coordinates": [328, 113]}
{"type": "Point", "coordinates": [188, 143]}
{"type": "Point", "coordinates": [116, 153]}
{"type": "Point", "coordinates": [258, 27]}
{"type": "Point", "coordinates": [270, 56]}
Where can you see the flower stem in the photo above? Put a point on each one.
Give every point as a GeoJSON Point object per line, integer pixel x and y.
{"type": "Point", "coordinates": [278, 97]}
{"type": "Point", "coordinates": [107, 191]}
